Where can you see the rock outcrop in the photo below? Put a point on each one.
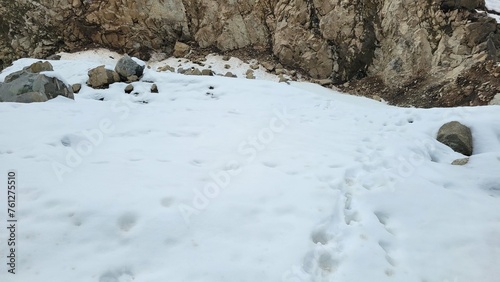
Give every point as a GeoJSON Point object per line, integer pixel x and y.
{"type": "Point", "coordinates": [397, 47]}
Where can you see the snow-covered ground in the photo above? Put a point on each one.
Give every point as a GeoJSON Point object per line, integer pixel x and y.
{"type": "Point", "coordinates": [494, 5]}
{"type": "Point", "coordinates": [219, 179]}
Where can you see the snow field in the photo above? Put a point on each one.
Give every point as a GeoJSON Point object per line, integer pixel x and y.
{"type": "Point", "coordinates": [254, 181]}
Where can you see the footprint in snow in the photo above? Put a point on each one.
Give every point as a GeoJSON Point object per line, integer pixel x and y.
{"type": "Point", "coordinates": [167, 202]}
{"type": "Point", "coordinates": [127, 221]}
{"type": "Point", "coordinates": [120, 275]}
{"type": "Point", "coordinates": [387, 250]}
{"type": "Point", "coordinates": [321, 236]}
{"type": "Point", "coordinates": [383, 218]}
{"type": "Point", "coordinates": [196, 162]}
{"type": "Point", "coordinates": [270, 164]}
{"type": "Point", "coordinates": [321, 262]}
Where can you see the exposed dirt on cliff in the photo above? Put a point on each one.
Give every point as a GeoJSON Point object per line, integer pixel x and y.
{"type": "Point", "coordinates": [474, 87]}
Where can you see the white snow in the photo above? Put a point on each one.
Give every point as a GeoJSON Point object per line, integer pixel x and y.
{"type": "Point", "coordinates": [252, 180]}
{"type": "Point", "coordinates": [495, 6]}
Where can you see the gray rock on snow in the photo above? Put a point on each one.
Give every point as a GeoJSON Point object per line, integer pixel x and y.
{"type": "Point", "coordinates": [27, 87]}
{"type": "Point", "coordinates": [126, 67]}
{"type": "Point", "coordinates": [456, 136]}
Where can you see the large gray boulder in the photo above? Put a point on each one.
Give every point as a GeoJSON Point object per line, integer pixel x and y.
{"type": "Point", "coordinates": [100, 77]}
{"type": "Point", "coordinates": [456, 136]}
{"type": "Point", "coordinates": [26, 87]}
{"type": "Point", "coordinates": [33, 68]}
{"type": "Point", "coordinates": [126, 67]}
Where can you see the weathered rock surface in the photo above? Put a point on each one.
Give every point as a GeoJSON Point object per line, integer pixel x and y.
{"type": "Point", "coordinates": [496, 100]}
{"type": "Point", "coordinates": [39, 67]}
{"type": "Point", "coordinates": [154, 88]}
{"type": "Point", "coordinates": [128, 69]}
{"type": "Point", "coordinates": [129, 88]}
{"type": "Point", "coordinates": [462, 161]}
{"type": "Point", "coordinates": [181, 49]}
{"type": "Point", "coordinates": [27, 87]}
{"type": "Point", "coordinates": [76, 87]}
{"type": "Point", "coordinates": [456, 136]}
{"type": "Point", "coordinates": [390, 43]}
{"type": "Point", "coordinates": [100, 77]}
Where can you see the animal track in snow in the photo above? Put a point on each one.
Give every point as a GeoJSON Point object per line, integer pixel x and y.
{"type": "Point", "coordinates": [326, 262]}
{"type": "Point", "coordinates": [196, 162]}
{"type": "Point", "coordinates": [76, 220]}
{"type": "Point", "coordinates": [270, 164]}
{"type": "Point", "coordinates": [387, 249]}
{"type": "Point", "coordinates": [121, 275]}
{"type": "Point", "coordinates": [321, 236]}
{"type": "Point", "coordinates": [127, 221]}
{"type": "Point", "coordinates": [383, 219]}
{"type": "Point", "coordinates": [167, 202]}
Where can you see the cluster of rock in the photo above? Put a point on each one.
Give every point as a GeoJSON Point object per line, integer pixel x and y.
{"type": "Point", "coordinates": [394, 42]}
{"type": "Point", "coordinates": [283, 74]}
{"type": "Point", "coordinates": [126, 70]}
{"type": "Point", "coordinates": [31, 85]}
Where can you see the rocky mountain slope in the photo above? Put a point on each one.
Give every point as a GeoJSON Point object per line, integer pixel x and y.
{"type": "Point", "coordinates": [423, 52]}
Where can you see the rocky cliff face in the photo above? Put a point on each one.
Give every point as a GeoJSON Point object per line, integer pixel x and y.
{"type": "Point", "coordinates": [385, 43]}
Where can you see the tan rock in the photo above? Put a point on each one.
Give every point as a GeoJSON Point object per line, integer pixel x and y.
{"type": "Point", "coordinates": [208, 72]}
{"type": "Point", "coordinates": [167, 68]}
{"type": "Point", "coordinates": [39, 67]}
{"type": "Point", "coordinates": [181, 49]}
{"type": "Point", "coordinates": [193, 71]}
{"type": "Point", "coordinates": [249, 74]}
{"type": "Point", "coordinates": [101, 77]}
{"type": "Point", "coordinates": [129, 88]}
{"type": "Point", "coordinates": [463, 161]}
{"type": "Point", "coordinates": [268, 66]}
{"type": "Point", "coordinates": [76, 87]}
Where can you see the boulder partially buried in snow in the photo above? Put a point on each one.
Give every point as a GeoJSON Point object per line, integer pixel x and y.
{"type": "Point", "coordinates": [456, 136]}
{"type": "Point", "coordinates": [26, 87]}
{"type": "Point", "coordinates": [100, 77]}
{"type": "Point", "coordinates": [126, 67]}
